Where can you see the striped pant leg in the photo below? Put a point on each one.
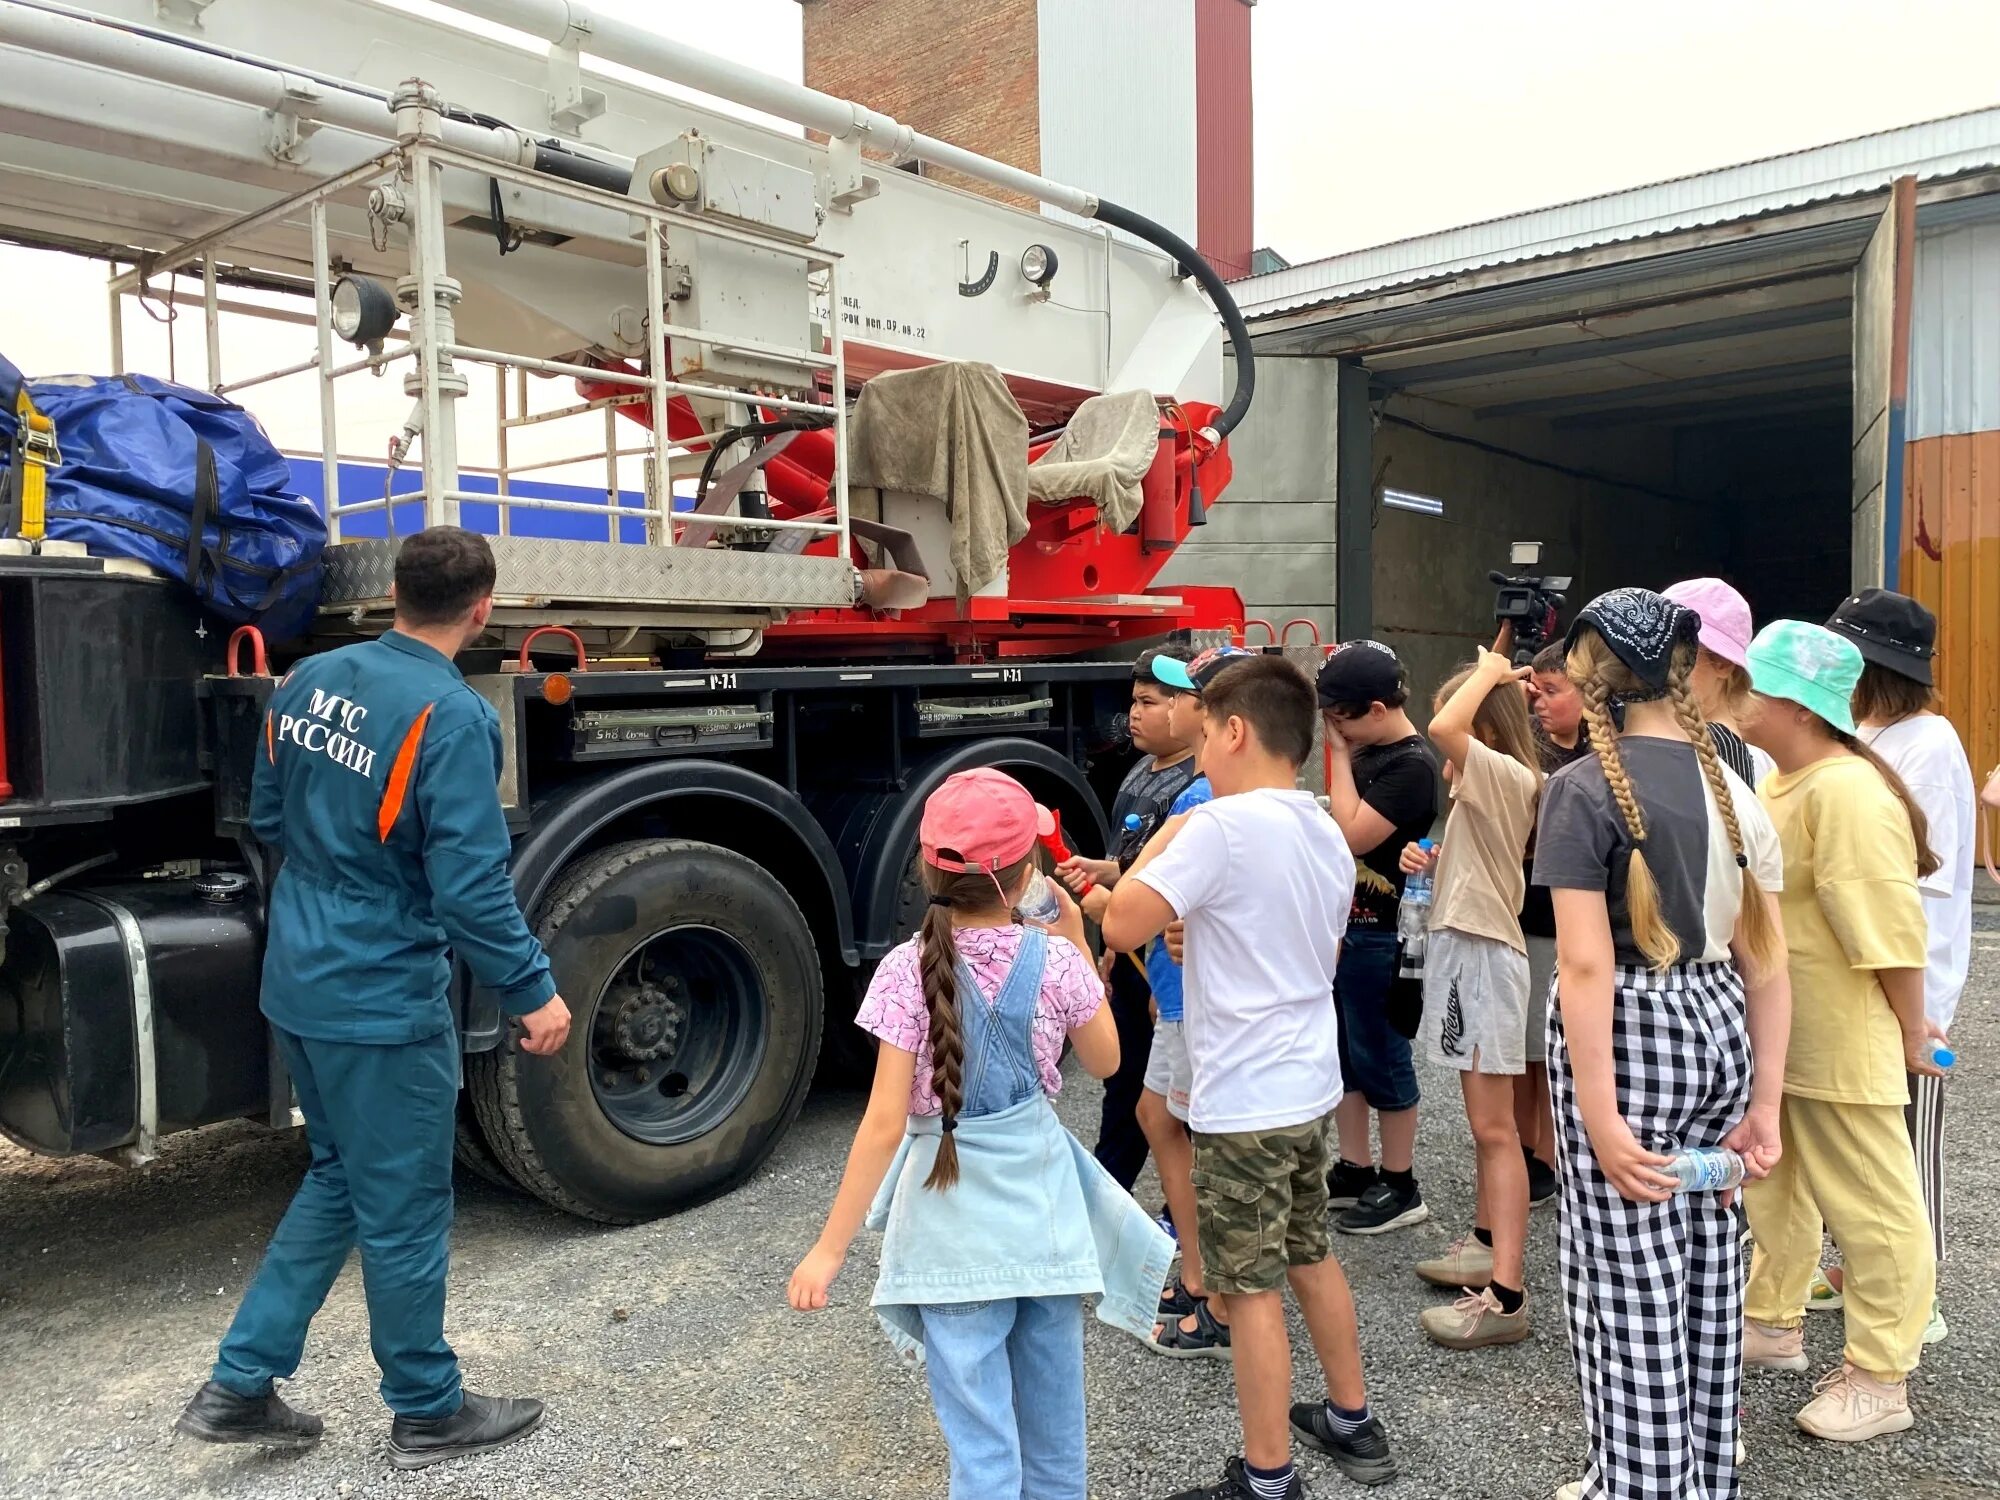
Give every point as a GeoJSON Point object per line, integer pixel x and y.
{"type": "Point", "coordinates": [1924, 1115]}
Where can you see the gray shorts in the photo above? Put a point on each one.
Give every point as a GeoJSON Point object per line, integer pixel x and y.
{"type": "Point", "coordinates": [1475, 1003]}
{"type": "Point", "coordinates": [1167, 1071]}
{"type": "Point", "coordinates": [1541, 981]}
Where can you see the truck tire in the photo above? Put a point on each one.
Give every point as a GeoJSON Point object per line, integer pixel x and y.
{"type": "Point", "coordinates": [694, 988]}
{"type": "Point", "coordinates": [469, 1148]}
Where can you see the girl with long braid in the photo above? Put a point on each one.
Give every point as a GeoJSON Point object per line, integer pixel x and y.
{"type": "Point", "coordinates": [996, 1221]}
{"type": "Point", "coordinates": [1667, 1031]}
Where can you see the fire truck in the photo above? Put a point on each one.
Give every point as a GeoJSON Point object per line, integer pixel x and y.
{"type": "Point", "coordinates": [726, 690]}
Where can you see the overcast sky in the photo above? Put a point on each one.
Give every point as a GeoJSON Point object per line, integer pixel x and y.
{"type": "Point", "coordinates": [1372, 122]}
{"type": "Point", "coordinates": [1379, 121]}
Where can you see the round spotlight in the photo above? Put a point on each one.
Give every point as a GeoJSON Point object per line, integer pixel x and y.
{"type": "Point", "coordinates": [1038, 265]}
{"type": "Point", "coordinates": [363, 311]}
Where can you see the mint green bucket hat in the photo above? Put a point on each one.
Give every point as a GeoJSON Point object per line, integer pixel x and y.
{"type": "Point", "coordinates": [1808, 665]}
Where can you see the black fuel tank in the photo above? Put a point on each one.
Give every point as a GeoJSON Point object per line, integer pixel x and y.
{"type": "Point", "coordinates": [130, 1011]}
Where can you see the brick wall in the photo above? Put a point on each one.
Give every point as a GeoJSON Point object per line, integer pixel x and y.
{"type": "Point", "coordinates": [970, 79]}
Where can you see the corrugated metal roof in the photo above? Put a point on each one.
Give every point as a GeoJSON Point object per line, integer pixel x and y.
{"type": "Point", "coordinates": [1933, 149]}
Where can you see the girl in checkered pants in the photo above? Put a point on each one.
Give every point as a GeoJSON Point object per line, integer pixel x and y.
{"type": "Point", "coordinates": [1667, 1031]}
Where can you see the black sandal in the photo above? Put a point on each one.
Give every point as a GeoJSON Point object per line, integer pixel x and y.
{"type": "Point", "coordinates": [1180, 1302]}
{"type": "Point", "coordinates": [1208, 1339]}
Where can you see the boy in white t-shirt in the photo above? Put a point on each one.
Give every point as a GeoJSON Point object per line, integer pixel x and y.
{"type": "Point", "coordinates": [1263, 880]}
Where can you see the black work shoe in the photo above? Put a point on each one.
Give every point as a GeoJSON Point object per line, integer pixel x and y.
{"type": "Point", "coordinates": [1383, 1208]}
{"type": "Point", "coordinates": [481, 1424]}
{"type": "Point", "coordinates": [1235, 1485]}
{"type": "Point", "coordinates": [218, 1415]}
{"type": "Point", "coordinates": [1363, 1457]}
{"type": "Point", "coordinates": [1346, 1183]}
{"type": "Point", "coordinates": [1541, 1181]}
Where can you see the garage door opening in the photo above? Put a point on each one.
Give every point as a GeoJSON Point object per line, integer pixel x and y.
{"type": "Point", "coordinates": [1710, 435]}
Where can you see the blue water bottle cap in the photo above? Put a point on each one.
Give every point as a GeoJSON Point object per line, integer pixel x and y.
{"type": "Point", "coordinates": [1132, 822]}
{"type": "Point", "coordinates": [1426, 845]}
{"type": "Point", "coordinates": [1944, 1057]}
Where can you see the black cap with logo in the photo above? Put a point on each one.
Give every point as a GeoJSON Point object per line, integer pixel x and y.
{"type": "Point", "coordinates": [1359, 673]}
{"type": "Point", "coordinates": [1891, 630]}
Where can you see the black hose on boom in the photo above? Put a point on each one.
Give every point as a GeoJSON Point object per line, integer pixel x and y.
{"type": "Point", "coordinates": [1232, 318]}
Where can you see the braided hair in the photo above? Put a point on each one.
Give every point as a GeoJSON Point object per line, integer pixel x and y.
{"type": "Point", "coordinates": [1597, 674]}
{"type": "Point", "coordinates": [1760, 934]}
{"type": "Point", "coordinates": [937, 951]}
{"type": "Point", "coordinates": [1920, 827]}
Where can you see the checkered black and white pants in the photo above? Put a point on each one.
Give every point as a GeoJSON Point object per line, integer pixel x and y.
{"type": "Point", "coordinates": [1655, 1290]}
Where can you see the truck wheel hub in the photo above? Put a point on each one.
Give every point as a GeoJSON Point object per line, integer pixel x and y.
{"type": "Point", "coordinates": [646, 1021]}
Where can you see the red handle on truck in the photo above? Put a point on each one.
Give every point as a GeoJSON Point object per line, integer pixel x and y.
{"type": "Point", "coordinates": [260, 664]}
{"type": "Point", "coordinates": [582, 661]}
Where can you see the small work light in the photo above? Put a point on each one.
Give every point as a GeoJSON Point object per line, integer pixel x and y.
{"type": "Point", "coordinates": [1038, 265]}
{"type": "Point", "coordinates": [363, 312]}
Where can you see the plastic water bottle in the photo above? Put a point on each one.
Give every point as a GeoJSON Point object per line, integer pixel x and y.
{"type": "Point", "coordinates": [1943, 1056]}
{"type": "Point", "coordinates": [1706, 1169]}
{"type": "Point", "coordinates": [1039, 902]}
{"type": "Point", "coordinates": [1413, 912]}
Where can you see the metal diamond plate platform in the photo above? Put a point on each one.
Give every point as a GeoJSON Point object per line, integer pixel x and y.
{"type": "Point", "coordinates": [535, 572]}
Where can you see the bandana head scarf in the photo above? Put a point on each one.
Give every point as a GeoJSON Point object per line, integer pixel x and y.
{"type": "Point", "coordinates": [1642, 629]}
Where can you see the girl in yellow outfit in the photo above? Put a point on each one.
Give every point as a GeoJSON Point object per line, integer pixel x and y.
{"type": "Point", "coordinates": [1854, 926]}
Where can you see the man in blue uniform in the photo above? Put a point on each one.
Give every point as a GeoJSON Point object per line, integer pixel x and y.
{"type": "Point", "coordinates": [377, 787]}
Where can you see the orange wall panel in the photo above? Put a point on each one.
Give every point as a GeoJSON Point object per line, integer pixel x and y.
{"type": "Point", "coordinates": [1951, 562]}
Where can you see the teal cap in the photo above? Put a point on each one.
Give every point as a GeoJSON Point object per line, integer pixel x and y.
{"type": "Point", "coordinates": [1195, 676]}
{"type": "Point", "coordinates": [1808, 665]}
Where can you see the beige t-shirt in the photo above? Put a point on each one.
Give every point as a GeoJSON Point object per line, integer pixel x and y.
{"type": "Point", "coordinates": [1480, 880]}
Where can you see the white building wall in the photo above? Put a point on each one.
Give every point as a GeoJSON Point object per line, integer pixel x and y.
{"type": "Point", "coordinates": [1955, 333]}
{"type": "Point", "coordinates": [1118, 103]}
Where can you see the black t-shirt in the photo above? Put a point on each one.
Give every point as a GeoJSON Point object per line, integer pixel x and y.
{"type": "Point", "coordinates": [1538, 912]}
{"type": "Point", "coordinates": [1149, 794]}
{"type": "Point", "coordinates": [1583, 842]}
{"type": "Point", "coordinates": [1400, 781]}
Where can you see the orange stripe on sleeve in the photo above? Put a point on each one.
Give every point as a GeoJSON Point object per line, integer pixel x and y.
{"type": "Point", "coordinates": [399, 775]}
{"type": "Point", "coordinates": [270, 739]}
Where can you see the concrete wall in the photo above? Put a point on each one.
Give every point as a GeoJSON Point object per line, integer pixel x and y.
{"type": "Point", "coordinates": [1433, 602]}
{"type": "Point", "coordinates": [1271, 535]}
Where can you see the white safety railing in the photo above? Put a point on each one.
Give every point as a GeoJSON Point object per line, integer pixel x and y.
{"type": "Point", "coordinates": [414, 174]}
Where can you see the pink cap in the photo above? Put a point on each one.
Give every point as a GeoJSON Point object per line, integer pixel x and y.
{"type": "Point", "coordinates": [1725, 616]}
{"type": "Point", "coordinates": [981, 820]}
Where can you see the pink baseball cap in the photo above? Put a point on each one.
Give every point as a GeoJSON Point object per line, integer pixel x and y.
{"type": "Point", "coordinates": [1725, 616]}
{"type": "Point", "coordinates": [981, 820]}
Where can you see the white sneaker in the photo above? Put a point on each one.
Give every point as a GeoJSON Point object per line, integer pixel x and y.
{"type": "Point", "coordinates": [1936, 1332]}
{"type": "Point", "coordinates": [1571, 1491]}
{"type": "Point", "coordinates": [1851, 1406]}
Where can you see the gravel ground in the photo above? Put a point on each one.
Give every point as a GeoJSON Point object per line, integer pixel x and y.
{"type": "Point", "coordinates": [672, 1366]}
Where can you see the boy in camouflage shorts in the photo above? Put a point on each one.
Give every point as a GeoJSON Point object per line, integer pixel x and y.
{"type": "Point", "coordinates": [1263, 880]}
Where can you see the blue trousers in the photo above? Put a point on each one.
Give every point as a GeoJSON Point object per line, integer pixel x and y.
{"type": "Point", "coordinates": [379, 1119]}
{"type": "Point", "coordinates": [1006, 1379]}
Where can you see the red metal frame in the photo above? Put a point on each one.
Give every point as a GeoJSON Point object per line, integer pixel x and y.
{"type": "Point", "coordinates": [1072, 586]}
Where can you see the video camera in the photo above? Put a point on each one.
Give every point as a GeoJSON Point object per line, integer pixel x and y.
{"type": "Point", "coordinates": [1528, 602]}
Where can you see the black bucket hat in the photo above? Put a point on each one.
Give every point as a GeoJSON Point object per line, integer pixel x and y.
{"type": "Point", "coordinates": [1891, 630]}
{"type": "Point", "coordinates": [1642, 629]}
